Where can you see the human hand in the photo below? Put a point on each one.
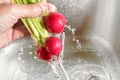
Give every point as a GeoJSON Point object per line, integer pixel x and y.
{"type": "Point", "coordinates": [9, 15]}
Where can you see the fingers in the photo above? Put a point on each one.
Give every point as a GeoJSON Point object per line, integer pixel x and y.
{"type": "Point", "coordinates": [5, 38]}
{"type": "Point", "coordinates": [32, 10]}
{"type": "Point", "coordinates": [10, 13]}
{"type": "Point", "coordinates": [19, 32]}
{"type": "Point", "coordinates": [27, 10]}
{"type": "Point", "coordinates": [12, 34]}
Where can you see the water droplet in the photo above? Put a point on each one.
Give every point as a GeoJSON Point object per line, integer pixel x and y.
{"type": "Point", "coordinates": [73, 38]}
{"type": "Point", "coordinates": [73, 30]}
{"type": "Point", "coordinates": [19, 58]}
{"type": "Point", "coordinates": [30, 53]}
{"type": "Point", "coordinates": [20, 54]}
{"type": "Point", "coordinates": [32, 78]}
{"type": "Point", "coordinates": [35, 57]}
{"type": "Point", "coordinates": [79, 47]}
{"type": "Point", "coordinates": [79, 61]}
{"type": "Point", "coordinates": [68, 27]}
{"type": "Point", "coordinates": [23, 62]}
{"type": "Point", "coordinates": [2, 51]}
{"type": "Point", "coordinates": [30, 46]}
{"type": "Point", "coordinates": [78, 44]}
{"type": "Point", "coordinates": [21, 48]}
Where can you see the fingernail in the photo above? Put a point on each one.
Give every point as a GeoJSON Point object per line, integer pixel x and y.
{"type": "Point", "coordinates": [42, 6]}
{"type": "Point", "coordinates": [38, 9]}
{"type": "Point", "coordinates": [52, 8]}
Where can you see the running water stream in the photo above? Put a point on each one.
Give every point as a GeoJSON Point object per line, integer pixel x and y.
{"type": "Point", "coordinates": [59, 64]}
{"type": "Point", "coordinates": [56, 64]}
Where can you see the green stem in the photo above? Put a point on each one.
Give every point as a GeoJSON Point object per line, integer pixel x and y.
{"type": "Point", "coordinates": [34, 25]}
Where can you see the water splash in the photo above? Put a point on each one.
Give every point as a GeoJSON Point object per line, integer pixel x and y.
{"type": "Point", "coordinates": [65, 72]}
{"type": "Point", "coordinates": [57, 64]}
{"type": "Point", "coordinates": [72, 30]}
{"type": "Point", "coordinates": [56, 67]}
{"type": "Point", "coordinates": [78, 44]}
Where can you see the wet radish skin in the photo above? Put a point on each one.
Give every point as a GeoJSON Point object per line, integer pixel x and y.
{"type": "Point", "coordinates": [43, 54]}
{"type": "Point", "coordinates": [53, 45]}
{"type": "Point", "coordinates": [55, 22]}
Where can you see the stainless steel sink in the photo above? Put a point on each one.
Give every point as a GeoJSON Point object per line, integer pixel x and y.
{"type": "Point", "coordinates": [97, 28]}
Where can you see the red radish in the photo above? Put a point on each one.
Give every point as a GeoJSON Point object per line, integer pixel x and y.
{"type": "Point", "coordinates": [53, 45]}
{"type": "Point", "coordinates": [41, 53]}
{"type": "Point", "coordinates": [54, 22]}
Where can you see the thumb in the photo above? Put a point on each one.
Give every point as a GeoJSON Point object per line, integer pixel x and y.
{"type": "Point", "coordinates": [30, 10]}
{"type": "Point", "coordinates": [10, 13]}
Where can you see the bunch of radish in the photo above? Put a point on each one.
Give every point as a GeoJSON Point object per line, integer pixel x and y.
{"type": "Point", "coordinates": [40, 29]}
{"type": "Point", "coordinates": [54, 23]}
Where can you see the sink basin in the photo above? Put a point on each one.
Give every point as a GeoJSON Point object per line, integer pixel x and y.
{"type": "Point", "coordinates": [97, 58]}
